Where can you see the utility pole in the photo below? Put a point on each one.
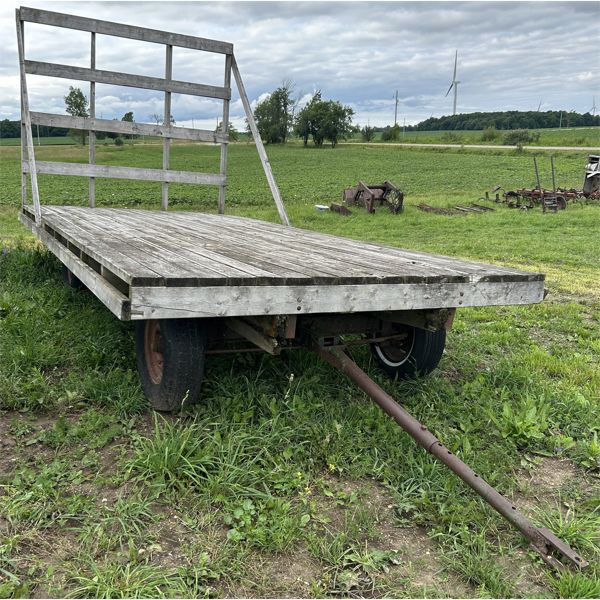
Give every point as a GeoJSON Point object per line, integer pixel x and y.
{"type": "Point", "coordinates": [560, 121]}
{"type": "Point", "coordinates": [396, 111]}
{"type": "Point", "coordinates": [404, 128]}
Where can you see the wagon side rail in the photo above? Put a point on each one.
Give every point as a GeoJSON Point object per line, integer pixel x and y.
{"type": "Point", "coordinates": [167, 131]}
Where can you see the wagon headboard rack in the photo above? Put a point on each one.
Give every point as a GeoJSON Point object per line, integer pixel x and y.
{"type": "Point", "coordinates": [92, 124]}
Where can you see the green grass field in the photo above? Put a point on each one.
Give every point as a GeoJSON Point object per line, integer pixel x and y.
{"type": "Point", "coordinates": [285, 480]}
{"type": "Point", "coordinates": [575, 136]}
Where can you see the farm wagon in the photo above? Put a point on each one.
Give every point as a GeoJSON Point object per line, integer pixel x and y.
{"type": "Point", "coordinates": [198, 283]}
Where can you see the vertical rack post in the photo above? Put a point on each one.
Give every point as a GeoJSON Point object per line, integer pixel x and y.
{"type": "Point", "coordinates": [92, 134]}
{"type": "Point", "coordinates": [21, 33]}
{"type": "Point", "coordinates": [264, 159]}
{"type": "Point", "coordinates": [167, 122]}
{"type": "Point", "coordinates": [25, 116]}
{"type": "Point", "coordinates": [225, 129]}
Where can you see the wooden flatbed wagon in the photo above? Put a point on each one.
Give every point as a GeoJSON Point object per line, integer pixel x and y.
{"type": "Point", "coordinates": [202, 283]}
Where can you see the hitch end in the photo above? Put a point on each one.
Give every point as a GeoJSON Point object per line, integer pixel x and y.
{"type": "Point", "coordinates": [548, 545]}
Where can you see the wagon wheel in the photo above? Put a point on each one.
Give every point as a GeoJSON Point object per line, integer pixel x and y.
{"type": "Point", "coordinates": [170, 361]}
{"type": "Point", "coordinates": [417, 352]}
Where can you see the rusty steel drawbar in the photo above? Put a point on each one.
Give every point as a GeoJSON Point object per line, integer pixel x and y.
{"type": "Point", "coordinates": [542, 539]}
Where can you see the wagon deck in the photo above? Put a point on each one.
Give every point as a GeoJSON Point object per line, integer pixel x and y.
{"type": "Point", "coordinates": [151, 264]}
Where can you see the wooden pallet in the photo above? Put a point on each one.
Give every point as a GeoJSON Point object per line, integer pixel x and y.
{"type": "Point", "coordinates": [150, 264]}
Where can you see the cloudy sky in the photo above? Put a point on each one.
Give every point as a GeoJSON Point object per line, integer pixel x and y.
{"type": "Point", "coordinates": [511, 55]}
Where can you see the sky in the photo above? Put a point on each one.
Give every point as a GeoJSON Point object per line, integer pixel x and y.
{"type": "Point", "coordinates": [511, 56]}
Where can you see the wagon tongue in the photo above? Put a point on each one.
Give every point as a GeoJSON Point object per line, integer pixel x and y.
{"type": "Point", "coordinates": [542, 540]}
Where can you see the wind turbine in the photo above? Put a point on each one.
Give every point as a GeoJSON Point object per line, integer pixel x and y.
{"type": "Point", "coordinates": [593, 109]}
{"type": "Point", "coordinates": [454, 83]}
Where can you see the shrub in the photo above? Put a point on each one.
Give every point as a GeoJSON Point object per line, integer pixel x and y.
{"type": "Point", "coordinates": [518, 137]}
{"type": "Point", "coordinates": [489, 134]}
{"type": "Point", "coordinates": [391, 134]}
{"type": "Point", "coordinates": [118, 141]}
{"type": "Point", "coordinates": [367, 133]}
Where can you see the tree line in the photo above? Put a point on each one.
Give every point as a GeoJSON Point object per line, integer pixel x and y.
{"type": "Point", "coordinates": [510, 119]}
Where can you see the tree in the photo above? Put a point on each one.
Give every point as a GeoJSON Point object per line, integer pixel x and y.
{"type": "Point", "coordinates": [233, 133]}
{"type": "Point", "coordinates": [324, 120]}
{"type": "Point", "coordinates": [274, 115]}
{"type": "Point", "coordinates": [367, 133]}
{"type": "Point", "coordinates": [76, 105]}
{"type": "Point", "coordinates": [128, 117]}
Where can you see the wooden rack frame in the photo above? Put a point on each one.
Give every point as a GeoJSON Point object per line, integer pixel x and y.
{"type": "Point", "coordinates": [92, 124]}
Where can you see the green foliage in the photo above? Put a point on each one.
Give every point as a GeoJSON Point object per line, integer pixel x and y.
{"type": "Point", "coordinates": [580, 531]}
{"type": "Point", "coordinates": [76, 104]}
{"type": "Point", "coordinates": [367, 133]}
{"type": "Point", "coordinates": [569, 584]}
{"type": "Point", "coordinates": [470, 557]}
{"type": "Point", "coordinates": [518, 137]}
{"type": "Point", "coordinates": [119, 141]}
{"type": "Point", "coordinates": [391, 134]}
{"type": "Point", "coordinates": [270, 524]}
{"type": "Point", "coordinates": [137, 580]}
{"type": "Point", "coordinates": [509, 119]}
{"type": "Point", "coordinates": [587, 452]}
{"type": "Point", "coordinates": [234, 134]}
{"type": "Point", "coordinates": [324, 120]}
{"type": "Point", "coordinates": [274, 115]}
{"type": "Point", "coordinates": [489, 134]}
{"type": "Point", "coordinates": [525, 423]}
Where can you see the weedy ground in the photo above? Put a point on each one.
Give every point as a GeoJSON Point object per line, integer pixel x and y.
{"type": "Point", "coordinates": [285, 480]}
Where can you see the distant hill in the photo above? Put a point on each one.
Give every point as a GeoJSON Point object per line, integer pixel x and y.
{"type": "Point", "coordinates": [511, 119]}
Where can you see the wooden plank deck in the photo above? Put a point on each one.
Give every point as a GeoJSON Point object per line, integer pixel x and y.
{"type": "Point", "coordinates": [153, 264]}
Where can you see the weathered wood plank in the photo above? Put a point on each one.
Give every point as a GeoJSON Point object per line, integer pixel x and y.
{"type": "Point", "coordinates": [127, 128]}
{"type": "Point", "coordinates": [305, 237]}
{"type": "Point", "coordinates": [111, 172]}
{"type": "Point", "coordinates": [95, 242]}
{"type": "Point", "coordinates": [224, 129]}
{"type": "Point", "coordinates": [144, 34]}
{"type": "Point", "coordinates": [264, 159]}
{"type": "Point", "coordinates": [26, 120]}
{"type": "Point", "coordinates": [114, 300]}
{"type": "Point", "coordinates": [92, 134]}
{"type": "Point", "coordinates": [35, 67]}
{"type": "Point", "coordinates": [167, 121]}
{"type": "Point", "coordinates": [201, 267]}
{"type": "Point", "coordinates": [224, 301]}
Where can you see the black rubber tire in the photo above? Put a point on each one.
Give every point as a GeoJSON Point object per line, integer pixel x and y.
{"type": "Point", "coordinates": [182, 343]}
{"type": "Point", "coordinates": [71, 280]}
{"type": "Point", "coordinates": [422, 352]}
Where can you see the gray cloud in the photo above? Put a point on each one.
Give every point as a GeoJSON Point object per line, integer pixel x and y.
{"type": "Point", "coordinates": [512, 55]}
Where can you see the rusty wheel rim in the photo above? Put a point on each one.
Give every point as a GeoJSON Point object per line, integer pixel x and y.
{"type": "Point", "coordinates": [152, 351]}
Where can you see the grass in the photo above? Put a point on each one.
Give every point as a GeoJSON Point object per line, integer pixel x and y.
{"type": "Point", "coordinates": [574, 136]}
{"type": "Point", "coordinates": [285, 481]}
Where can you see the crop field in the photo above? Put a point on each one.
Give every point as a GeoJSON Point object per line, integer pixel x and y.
{"type": "Point", "coordinates": [585, 137]}
{"type": "Point", "coordinates": [575, 136]}
{"type": "Point", "coordinates": [285, 481]}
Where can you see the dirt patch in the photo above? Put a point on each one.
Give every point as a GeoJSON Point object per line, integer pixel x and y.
{"type": "Point", "coordinates": [294, 575]}
{"type": "Point", "coordinates": [553, 474]}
